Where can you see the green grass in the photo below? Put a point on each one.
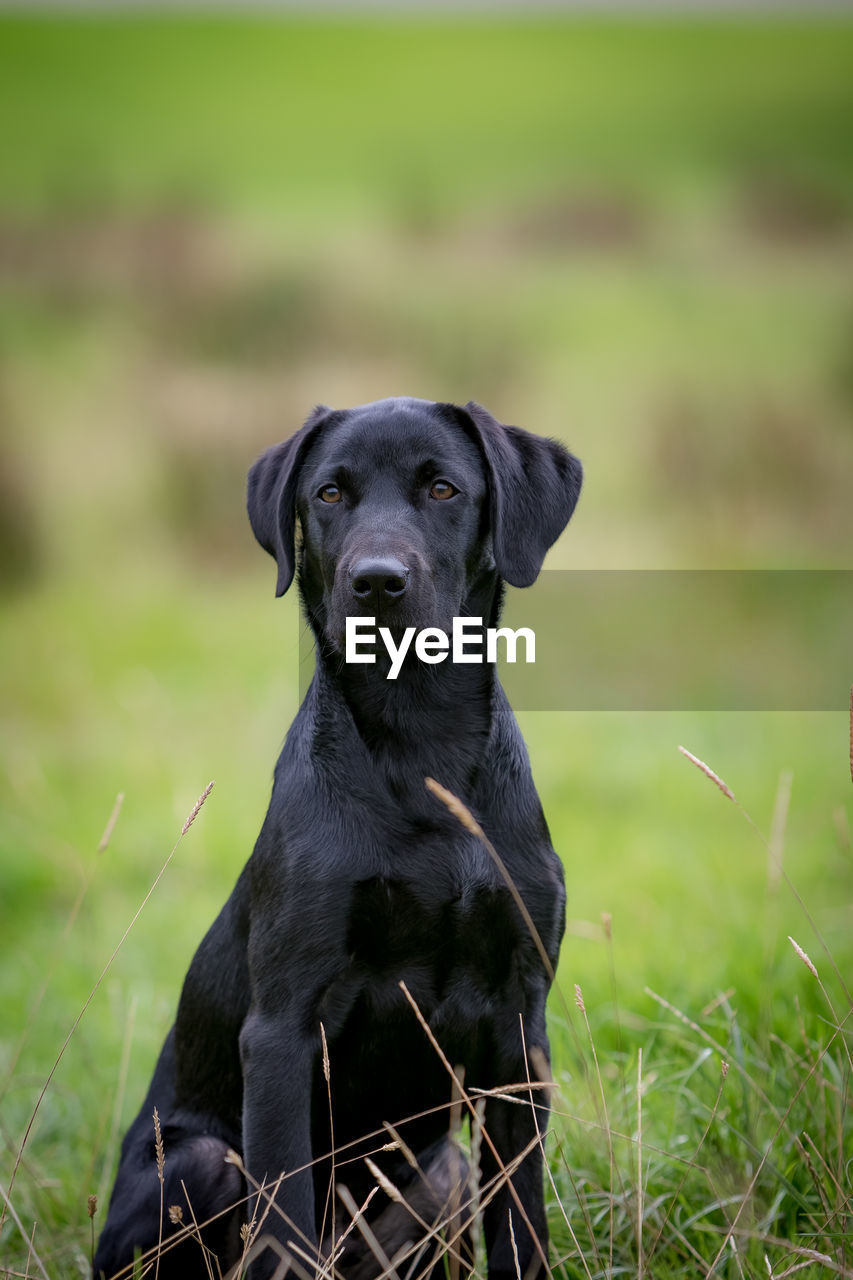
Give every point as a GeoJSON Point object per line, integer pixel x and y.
{"type": "Point", "coordinates": [632, 235]}
{"type": "Point", "coordinates": [144, 708]}
{"type": "Point", "coordinates": [270, 113]}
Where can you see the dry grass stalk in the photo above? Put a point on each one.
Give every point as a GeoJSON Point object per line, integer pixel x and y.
{"type": "Point", "coordinates": [330, 1193]}
{"type": "Point", "coordinates": [640, 1262]}
{"type": "Point", "coordinates": [464, 815]}
{"type": "Point", "coordinates": [248, 1232]}
{"type": "Point", "coordinates": [581, 1202]}
{"type": "Point", "coordinates": [543, 1070]}
{"type": "Point", "coordinates": [716, 1046]}
{"type": "Point", "coordinates": [20, 1153]}
{"type": "Point", "coordinates": [287, 1260]}
{"type": "Point", "coordinates": [121, 1084]}
{"type": "Point", "coordinates": [460, 811]}
{"type": "Point", "coordinates": [288, 1256]}
{"type": "Point", "coordinates": [398, 1143]}
{"type": "Point", "coordinates": [349, 1230]}
{"type": "Point", "coordinates": [693, 1161]}
{"type": "Point", "coordinates": [805, 959]}
{"type": "Point", "coordinates": [708, 772]}
{"type": "Point", "coordinates": [507, 1092]}
{"type": "Point", "coordinates": [367, 1234]}
{"type": "Point", "coordinates": [111, 822]}
{"type": "Point", "coordinates": [30, 1249]}
{"type": "Point", "coordinates": [412, 1252]}
{"type": "Point", "coordinates": [29, 1239]}
{"type": "Point", "coordinates": [735, 1252]}
{"type": "Point", "coordinates": [818, 1185]}
{"type": "Point", "coordinates": [454, 1221]}
{"type": "Point", "coordinates": [831, 1225]}
{"type": "Point", "coordinates": [384, 1182]}
{"type": "Point", "coordinates": [782, 1120]}
{"type": "Point", "coordinates": [834, 1179]}
{"type": "Point", "coordinates": [784, 876]}
{"type": "Point", "coordinates": [158, 1147]}
{"type": "Point", "coordinates": [777, 831]}
{"type": "Point", "coordinates": [851, 733]}
{"type": "Point", "coordinates": [605, 1117]}
{"type": "Point", "coordinates": [327, 1075]}
{"type": "Point", "coordinates": [161, 1165]}
{"type": "Point", "coordinates": [454, 1229]}
{"type": "Point", "coordinates": [205, 1253]}
{"type": "Point", "coordinates": [813, 971]}
{"type": "Point", "coordinates": [514, 1247]}
{"type": "Point", "coordinates": [558, 1200]}
{"type": "Point", "coordinates": [478, 1119]}
{"type": "Point", "coordinates": [808, 1256]}
{"type": "Point", "coordinates": [194, 812]}
{"type": "Point", "coordinates": [191, 1229]}
{"type": "Point", "coordinates": [92, 1207]}
{"type": "Point", "coordinates": [721, 998]}
{"type": "Point", "coordinates": [268, 1195]}
{"type": "Point", "coordinates": [35, 1004]}
{"type": "Point", "coordinates": [782, 873]}
{"type": "Point", "coordinates": [471, 1109]}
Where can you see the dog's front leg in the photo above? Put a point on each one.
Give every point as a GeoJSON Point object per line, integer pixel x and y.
{"type": "Point", "coordinates": [277, 1059]}
{"type": "Point", "coordinates": [514, 1222]}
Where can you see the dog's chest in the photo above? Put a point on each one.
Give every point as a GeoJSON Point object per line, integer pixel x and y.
{"type": "Point", "coordinates": [398, 930]}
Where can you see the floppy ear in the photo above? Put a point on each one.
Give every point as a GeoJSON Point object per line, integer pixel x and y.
{"type": "Point", "coordinates": [272, 495]}
{"type": "Point", "coordinates": [534, 485]}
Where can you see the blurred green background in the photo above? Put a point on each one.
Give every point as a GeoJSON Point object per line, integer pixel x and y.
{"type": "Point", "coordinates": [631, 234]}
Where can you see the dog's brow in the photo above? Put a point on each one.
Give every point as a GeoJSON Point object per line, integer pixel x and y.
{"type": "Point", "coordinates": [331, 470]}
{"type": "Point", "coordinates": [427, 470]}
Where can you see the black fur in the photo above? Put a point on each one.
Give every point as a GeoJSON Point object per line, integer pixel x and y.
{"type": "Point", "coordinates": [360, 877]}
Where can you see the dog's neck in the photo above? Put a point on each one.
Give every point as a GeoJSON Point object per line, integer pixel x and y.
{"type": "Point", "coordinates": [432, 719]}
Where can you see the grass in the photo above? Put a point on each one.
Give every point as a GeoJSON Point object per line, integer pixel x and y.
{"type": "Point", "coordinates": [631, 235]}
{"type": "Point", "coordinates": [416, 117]}
{"type": "Point", "coordinates": [682, 1141]}
{"type": "Point", "coordinates": [725, 1161]}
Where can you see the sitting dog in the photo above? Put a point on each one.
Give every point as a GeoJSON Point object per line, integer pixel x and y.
{"type": "Point", "coordinates": [294, 1036]}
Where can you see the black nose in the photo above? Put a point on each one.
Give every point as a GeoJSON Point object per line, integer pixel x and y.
{"type": "Point", "coordinates": [378, 579]}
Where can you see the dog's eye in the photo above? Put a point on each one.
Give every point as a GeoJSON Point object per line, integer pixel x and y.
{"type": "Point", "coordinates": [442, 490]}
{"type": "Point", "coordinates": [330, 493]}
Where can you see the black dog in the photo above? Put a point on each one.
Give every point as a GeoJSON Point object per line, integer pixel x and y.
{"type": "Point", "coordinates": [413, 513]}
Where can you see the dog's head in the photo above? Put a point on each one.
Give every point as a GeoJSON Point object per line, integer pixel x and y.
{"type": "Point", "coordinates": [404, 505]}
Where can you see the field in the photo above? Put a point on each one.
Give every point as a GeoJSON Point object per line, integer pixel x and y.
{"type": "Point", "coordinates": [634, 235]}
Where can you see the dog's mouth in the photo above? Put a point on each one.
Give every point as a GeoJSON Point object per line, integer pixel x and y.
{"type": "Point", "coordinates": [355, 616]}
{"type": "Point", "coordinates": [358, 620]}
